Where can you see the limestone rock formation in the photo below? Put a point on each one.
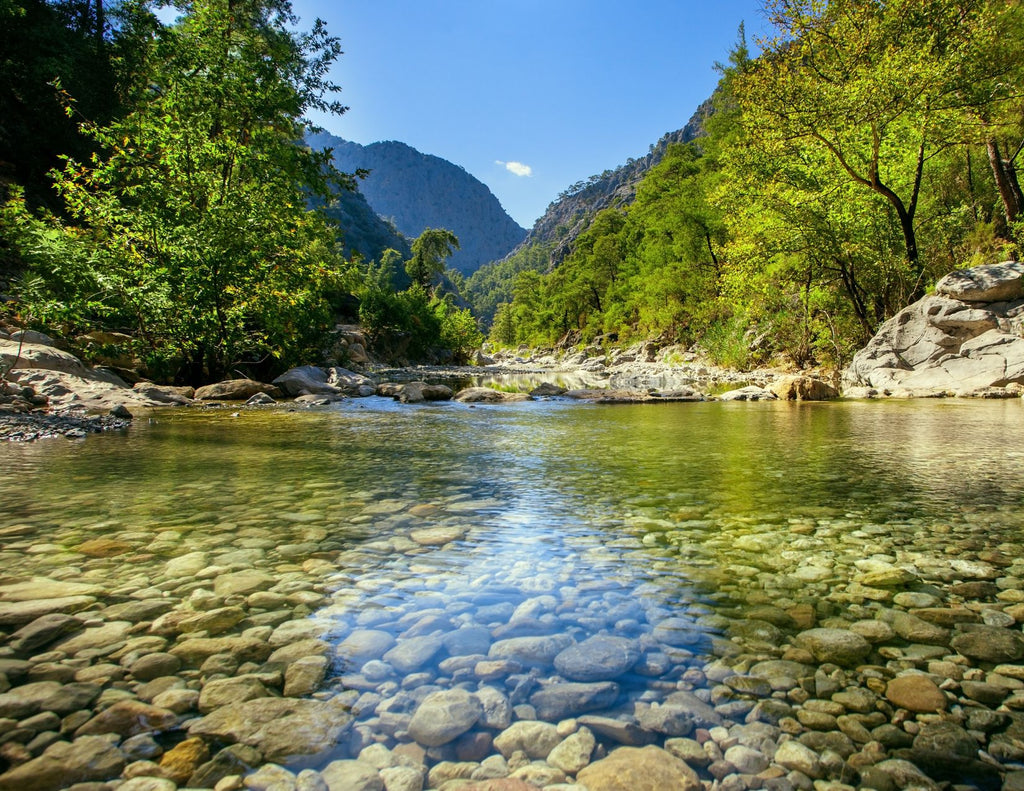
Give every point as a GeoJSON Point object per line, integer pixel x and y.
{"type": "Point", "coordinates": [968, 336]}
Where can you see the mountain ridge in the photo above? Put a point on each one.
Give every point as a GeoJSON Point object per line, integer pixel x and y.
{"type": "Point", "coordinates": [415, 191]}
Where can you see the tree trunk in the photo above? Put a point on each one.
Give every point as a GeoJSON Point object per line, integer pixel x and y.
{"type": "Point", "coordinates": [1006, 181]}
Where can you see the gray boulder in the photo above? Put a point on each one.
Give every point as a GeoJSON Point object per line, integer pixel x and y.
{"type": "Point", "coordinates": [235, 390]}
{"type": "Point", "coordinates": [305, 380]}
{"type": "Point", "coordinates": [280, 728]}
{"type": "Point", "coordinates": [989, 283]}
{"type": "Point", "coordinates": [487, 395]}
{"type": "Point", "coordinates": [350, 383]}
{"type": "Point", "coordinates": [965, 337]}
{"type": "Point", "coordinates": [598, 658]}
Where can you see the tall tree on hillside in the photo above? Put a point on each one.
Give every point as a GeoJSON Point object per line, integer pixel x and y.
{"type": "Point", "coordinates": [430, 250]}
{"type": "Point", "coordinates": [199, 195]}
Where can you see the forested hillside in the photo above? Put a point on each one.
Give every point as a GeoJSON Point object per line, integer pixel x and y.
{"type": "Point", "coordinates": [154, 181]}
{"type": "Point", "coordinates": [552, 236]}
{"type": "Point", "coordinates": [869, 149]}
{"type": "Point", "coordinates": [417, 191]}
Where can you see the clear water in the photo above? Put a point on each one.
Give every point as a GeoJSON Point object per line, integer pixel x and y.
{"type": "Point", "coordinates": [564, 518]}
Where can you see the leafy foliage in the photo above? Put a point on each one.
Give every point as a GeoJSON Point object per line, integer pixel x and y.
{"type": "Point", "coordinates": [420, 322]}
{"type": "Point", "coordinates": [196, 196]}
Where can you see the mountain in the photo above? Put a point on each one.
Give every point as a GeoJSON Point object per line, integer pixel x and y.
{"type": "Point", "coordinates": [416, 191]}
{"type": "Point", "coordinates": [569, 215]}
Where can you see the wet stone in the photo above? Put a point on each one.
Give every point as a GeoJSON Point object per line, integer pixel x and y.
{"type": "Point", "coordinates": [559, 701]}
{"type": "Point", "coordinates": [990, 644]}
{"type": "Point", "coordinates": [597, 658]}
{"type": "Point", "coordinates": [443, 716]}
{"type": "Point", "coordinates": [837, 646]}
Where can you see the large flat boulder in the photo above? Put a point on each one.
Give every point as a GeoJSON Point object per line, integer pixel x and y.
{"type": "Point", "coordinates": [280, 728]}
{"type": "Point", "coordinates": [966, 337]}
{"type": "Point", "coordinates": [68, 382]}
{"type": "Point", "coordinates": [235, 390]}
{"type": "Point", "coordinates": [306, 380]}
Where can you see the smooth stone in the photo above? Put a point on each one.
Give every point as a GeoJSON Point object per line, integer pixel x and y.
{"type": "Point", "coordinates": [639, 769]}
{"type": "Point", "coordinates": [213, 622]}
{"type": "Point", "coordinates": [917, 630]}
{"type": "Point", "coordinates": [702, 714]}
{"type": "Point", "coordinates": [625, 732]}
{"type": "Point", "coordinates": [402, 778]}
{"type": "Point", "coordinates": [280, 728]}
{"type": "Point", "coordinates": [560, 701]}
{"type": "Point", "coordinates": [598, 658]}
{"type": "Point", "coordinates": [129, 718]}
{"type": "Point", "coordinates": [436, 536]}
{"type": "Point", "coordinates": [530, 651]}
{"type": "Point", "coordinates": [990, 644]}
{"type": "Point", "coordinates": [573, 753]}
{"type": "Point", "coordinates": [222, 691]}
{"type": "Point", "coordinates": [31, 698]}
{"type": "Point", "coordinates": [534, 738]}
{"type": "Point", "coordinates": [43, 630]}
{"type": "Point", "coordinates": [746, 759]}
{"type": "Point", "coordinates": [915, 692]}
{"type": "Point", "coordinates": [41, 588]}
{"type": "Point", "coordinates": [678, 632]}
{"type": "Point", "coordinates": [242, 583]}
{"type": "Point", "coordinates": [19, 613]}
{"type": "Point", "coordinates": [497, 709]}
{"type": "Point", "coordinates": [86, 759]}
{"type": "Point", "coordinates": [444, 716]}
{"type": "Point", "coordinates": [838, 646]}
{"type": "Point", "coordinates": [196, 650]}
{"type": "Point", "coordinates": [155, 665]}
{"type": "Point", "coordinates": [796, 757]}
{"type": "Point", "coordinates": [352, 776]}
{"type": "Point", "coordinates": [413, 653]}
{"type": "Point", "coordinates": [667, 718]}
{"type": "Point", "coordinates": [108, 634]}
{"type": "Point", "coordinates": [304, 676]}
{"type": "Point", "coordinates": [946, 739]}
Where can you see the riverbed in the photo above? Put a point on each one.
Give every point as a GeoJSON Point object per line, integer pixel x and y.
{"type": "Point", "coordinates": [462, 591]}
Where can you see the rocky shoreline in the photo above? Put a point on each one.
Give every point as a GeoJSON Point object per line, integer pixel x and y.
{"type": "Point", "coordinates": [966, 340]}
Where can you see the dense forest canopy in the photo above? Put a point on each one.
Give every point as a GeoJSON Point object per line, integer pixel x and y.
{"type": "Point", "coordinates": [155, 181]}
{"type": "Point", "coordinates": [870, 148]}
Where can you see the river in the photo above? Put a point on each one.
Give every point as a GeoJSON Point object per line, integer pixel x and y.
{"type": "Point", "coordinates": [697, 536]}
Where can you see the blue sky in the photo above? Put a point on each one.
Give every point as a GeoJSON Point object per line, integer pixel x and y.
{"type": "Point", "coordinates": [529, 96]}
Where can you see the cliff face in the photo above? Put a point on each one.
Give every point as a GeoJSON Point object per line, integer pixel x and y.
{"type": "Point", "coordinates": [417, 191]}
{"type": "Point", "coordinates": [568, 216]}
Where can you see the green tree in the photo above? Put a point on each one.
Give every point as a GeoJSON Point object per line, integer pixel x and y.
{"type": "Point", "coordinates": [876, 86]}
{"type": "Point", "coordinates": [430, 251]}
{"type": "Point", "coordinates": [199, 194]}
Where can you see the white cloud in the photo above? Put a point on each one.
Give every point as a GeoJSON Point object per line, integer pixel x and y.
{"type": "Point", "coordinates": [515, 168]}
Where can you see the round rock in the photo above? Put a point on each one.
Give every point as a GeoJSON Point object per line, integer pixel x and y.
{"type": "Point", "coordinates": [838, 646]}
{"type": "Point", "coordinates": [444, 716]}
{"type": "Point", "coordinates": [599, 658]}
{"type": "Point", "coordinates": [916, 693]}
